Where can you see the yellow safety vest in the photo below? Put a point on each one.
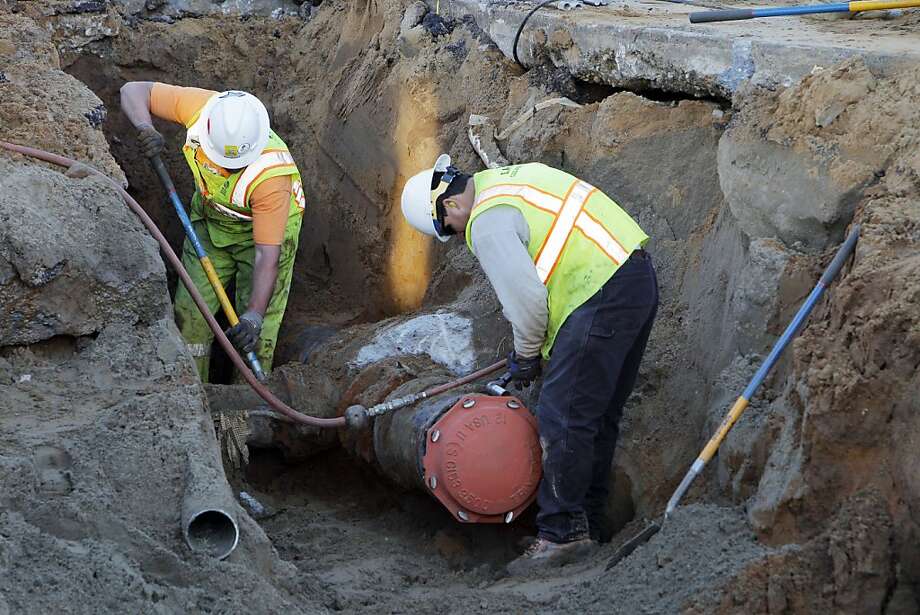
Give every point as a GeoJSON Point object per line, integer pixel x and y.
{"type": "Point", "coordinates": [579, 237]}
{"type": "Point", "coordinates": [227, 192]}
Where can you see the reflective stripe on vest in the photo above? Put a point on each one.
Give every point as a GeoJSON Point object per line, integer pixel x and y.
{"type": "Point", "coordinates": [569, 214]}
{"type": "Point", "coordinates": [269, 159]}
{"type": "Point", "coordinates": [226, 210]}
{"type": "Point", "coordinates": [297, 191]}
{"type": "Point", "coordinates": [230, 195]}
{"type": "Point", "coordinates": [579, 236]}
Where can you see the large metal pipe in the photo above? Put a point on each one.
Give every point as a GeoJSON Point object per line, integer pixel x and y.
{"type": "Point", "coordinates": [399, 438]}
{"type": "Point", "coordinates": [479, 455]}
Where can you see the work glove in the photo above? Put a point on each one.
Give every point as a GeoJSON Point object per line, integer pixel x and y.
{"type": "Point", "coordinates": [245, 334]}
{"type": "Point", "coordinates": [523, 370]}
{"type": "Point", "coordinates": [151, 142]}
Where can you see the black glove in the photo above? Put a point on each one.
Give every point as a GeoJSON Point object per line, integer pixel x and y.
{"type": "Point", "coordinates": [245, 335]}
{"type": "Point", "coordinates": [151, 142]}
{"type": "Point", "coordinates": [523, 370]}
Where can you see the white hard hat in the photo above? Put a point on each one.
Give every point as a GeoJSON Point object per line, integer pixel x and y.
{"type": "Point", "coordinates": [419, 196]}
{"type": "Point", "coordinates": [237, 129]}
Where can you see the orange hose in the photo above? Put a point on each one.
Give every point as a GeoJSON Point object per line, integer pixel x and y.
{"type": "Point", "coordinates": [263, 392]}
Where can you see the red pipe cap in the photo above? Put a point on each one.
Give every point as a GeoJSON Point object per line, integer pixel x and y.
{"type": "Point", "coordinates": [483, 459]}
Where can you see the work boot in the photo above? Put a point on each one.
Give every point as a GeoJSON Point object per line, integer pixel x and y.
{"type": "Point", "coordinates": [545, 553]}
{"type": "Point", "coordinates": [599, 528]}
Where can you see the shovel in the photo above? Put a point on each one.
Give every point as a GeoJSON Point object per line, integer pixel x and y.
{"type": "Point", "coordinates": [206, 264]}
{"type": "Point", "coordinates": [857, 6]}
{"type": "Point", "coordinates": [741, 403]}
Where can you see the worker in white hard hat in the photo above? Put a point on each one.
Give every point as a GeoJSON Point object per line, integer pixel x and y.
{"type": "Point", "coordinates": [570, 270]}
{"type": "Point", "coordinates": [247, 207]}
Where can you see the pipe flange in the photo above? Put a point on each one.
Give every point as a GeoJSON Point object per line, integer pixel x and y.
{"type": "Point", "coordinates": [485, 461]}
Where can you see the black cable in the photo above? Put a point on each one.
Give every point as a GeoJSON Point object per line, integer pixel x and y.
{"type": "Point", "coordinates": [517, 36]}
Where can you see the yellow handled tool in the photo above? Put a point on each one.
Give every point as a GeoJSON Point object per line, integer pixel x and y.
{"type": "Point", "coordinates": [742, 402]}
{"type": "Point", "coordinates": [837, 7]}
{"type": "Point", "coordinates": [206, 264]}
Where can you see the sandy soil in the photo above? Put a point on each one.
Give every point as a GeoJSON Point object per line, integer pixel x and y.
{"type": "Point", "coordinates": [810, 506]}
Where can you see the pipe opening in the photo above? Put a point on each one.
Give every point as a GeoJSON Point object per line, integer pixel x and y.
{"type": "Point", "coordinates": [212, 532]}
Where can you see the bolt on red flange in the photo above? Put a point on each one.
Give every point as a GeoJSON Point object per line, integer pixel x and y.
{"type": "Point", "coordinates": [483, 459]}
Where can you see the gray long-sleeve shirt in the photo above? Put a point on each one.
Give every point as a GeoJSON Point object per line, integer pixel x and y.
{"type": "Point", "coordinates": [499, 237]}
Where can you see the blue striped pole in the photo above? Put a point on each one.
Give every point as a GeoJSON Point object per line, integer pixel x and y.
{"type": "Point", "coordinates": [206, 263]}
{"type": "Point", "coordinates": [741, 403]}
{"type": "Point", "coordinates": [837, 7]}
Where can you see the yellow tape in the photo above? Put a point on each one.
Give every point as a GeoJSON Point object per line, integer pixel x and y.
{"type": "Point", "coordinates": [219, 291]}
{"type": "Point", "coordinates": [713, 445]}
{"type": "Point", "coordinates": [875, 5]}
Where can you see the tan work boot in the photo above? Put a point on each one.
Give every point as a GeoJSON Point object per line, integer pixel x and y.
{"type": "Point", "coordinates": [544, 554]}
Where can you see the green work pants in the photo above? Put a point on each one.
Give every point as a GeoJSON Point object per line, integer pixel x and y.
{"type": "Point", "coordinates": [232, 262]}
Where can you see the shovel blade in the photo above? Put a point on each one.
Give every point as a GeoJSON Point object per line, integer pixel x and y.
{"type": "Point", "coordinates": [632, 544]}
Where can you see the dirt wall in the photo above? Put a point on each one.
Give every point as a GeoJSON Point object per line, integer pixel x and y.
{"type": "Point", "coordinates": [100, 405]}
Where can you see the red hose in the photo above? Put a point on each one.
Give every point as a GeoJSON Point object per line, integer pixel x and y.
{"type": "Point", "coordinates": [485, 371]}
{"type": "Point", "coordinates": [257, 386]}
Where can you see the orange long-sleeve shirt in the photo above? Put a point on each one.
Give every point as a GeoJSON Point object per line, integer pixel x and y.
{"type": "Point", "coordinates": [270, 201]}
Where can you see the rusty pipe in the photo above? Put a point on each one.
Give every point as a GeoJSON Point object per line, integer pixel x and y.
{"type": "Point", "coordinates": [453, 384]}
{"type": "Point", "coordinates": [357, 417]}
{"type": "Point", "coordinates": [176, 263]}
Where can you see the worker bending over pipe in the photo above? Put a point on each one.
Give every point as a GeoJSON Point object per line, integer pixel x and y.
{"type": "Point", "coordinates": [247, 208]}
{"type": "Point", "coordinates": [570, 271]}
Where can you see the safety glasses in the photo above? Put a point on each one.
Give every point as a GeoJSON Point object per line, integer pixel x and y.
{"type": "Point", "coordinates": [438, 211]}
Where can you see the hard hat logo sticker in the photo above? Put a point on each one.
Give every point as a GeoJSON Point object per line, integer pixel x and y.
{"type": "Point", "coordinates": [231, 151]}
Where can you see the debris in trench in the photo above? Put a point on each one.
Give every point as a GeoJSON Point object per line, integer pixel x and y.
{"type": "Point", "coordinates": [232, 434]}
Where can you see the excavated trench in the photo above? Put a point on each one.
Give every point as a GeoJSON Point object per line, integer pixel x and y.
{"type": "Point", "coordinates": [349, 268]}
{"type": "Point", "coordinates": [344, 270]}
{"type": "Point", "coordinates": [364, 101]}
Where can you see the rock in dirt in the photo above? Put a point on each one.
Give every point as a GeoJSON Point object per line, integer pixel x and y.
{"type": "Point", "coordinates": [794, 165]}
{"type": "Point", "coordinates": [73, 258]}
